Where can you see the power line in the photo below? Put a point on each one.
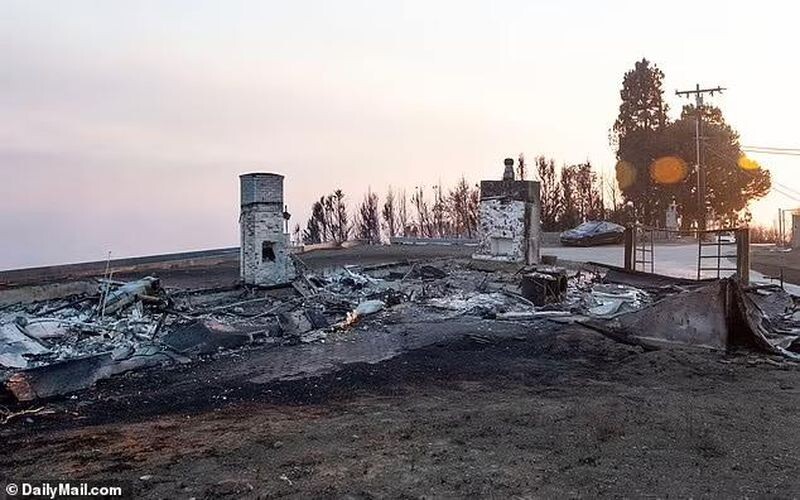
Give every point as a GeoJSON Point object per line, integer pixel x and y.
{"type": "Point", "coordinates": [784, 193]}
{"type": "Point", "coordinates": [701, 195]}
{"type": "Point", "coordinates": [783, 189]}
{"type": "Point", "coordinates": [786, 188]}
{"type": "Point", "coordinates": [794, 150]}
{"type": "Point", "coordinates": [765, 152]}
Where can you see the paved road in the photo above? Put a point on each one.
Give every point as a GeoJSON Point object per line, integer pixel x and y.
{"type": "Point", "coordinates": [671, 260]}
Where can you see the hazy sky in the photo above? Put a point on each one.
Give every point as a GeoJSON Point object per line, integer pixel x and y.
{"type": "Point", "coordinates": [124, 125]}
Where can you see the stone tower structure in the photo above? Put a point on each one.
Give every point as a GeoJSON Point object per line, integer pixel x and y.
{"type": "Point", "coordinates": [264, 258]}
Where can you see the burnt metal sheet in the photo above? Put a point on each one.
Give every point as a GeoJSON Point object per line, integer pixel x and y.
{"type": "Point", "coordinates": [75, 374]}
{"type": "Point", "coordinates": [697, 318]}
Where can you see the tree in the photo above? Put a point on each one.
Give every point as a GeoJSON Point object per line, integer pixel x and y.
{"type": "Point", "coordinates": [424, 223]}
{"type": "Point", "coordinates": [462, 207]}
{"type": "Point", "coordinates": [389, 213]}
{"type": "Point", "coordinates": [569, 215]}
{"type": "Point", "coordinates": [328, 221]}
{"type": "Point", "coordinates": [438, 212]}
{"type": "Point", "coordinates": [368, 224]}
{"type": "Point", "coordinates": [473, 208]}
{"type": "Point", "coordinates": [402, 214]}
{"type": "Point", "coordinates": [643, 106]}
{"type": "Point", "coordinates": [522, 168]}
{"type": "Point", "coordinates": [638, 134]}
{"type": "Point", "coordinates": [341, 225]}
{"type": "Point", "coordinates": [314, 232]}
{"type": "Point", "coordinates": [588, 201]}
{"type": "Point", "coordinates": [728, 187]}
{"type": "Point", "coordinates": [549, 193]}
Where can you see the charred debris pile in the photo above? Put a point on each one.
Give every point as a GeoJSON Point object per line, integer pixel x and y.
{"type": "Point", "coordinates": [56, 347]}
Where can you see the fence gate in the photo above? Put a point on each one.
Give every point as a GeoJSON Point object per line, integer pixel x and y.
{"type": "Point", "coordinates": [724, 244]}
{"type": "Point", "coordinates": [714, 248]}
{"type": "Point", "coordinates": [639, 245]}
{"type": "Point", "coordinates": [643, 254]}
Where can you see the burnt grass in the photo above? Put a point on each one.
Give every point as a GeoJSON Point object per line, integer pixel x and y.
{"type": "Point", "coordinates": [554, 412]}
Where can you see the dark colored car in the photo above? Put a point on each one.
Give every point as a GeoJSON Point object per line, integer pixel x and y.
{"type": "Point", "coordinates": [593, 233]}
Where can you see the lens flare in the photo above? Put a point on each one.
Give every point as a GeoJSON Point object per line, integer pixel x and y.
{"type": "Point", "coordinates": [746, 163]}
{"type": "Point", "coordinates": [626, 174]}
{"type": "Point", "coordinates": [668, 170]}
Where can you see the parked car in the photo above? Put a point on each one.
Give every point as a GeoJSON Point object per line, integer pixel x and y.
{"type": "Point", "coordinates": [726, 238]}
{"type": "Point", "coordinates": [593, 233]}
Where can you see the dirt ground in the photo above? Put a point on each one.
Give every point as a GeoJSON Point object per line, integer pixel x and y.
{"type": "Point", "coordinates": [545, 410]}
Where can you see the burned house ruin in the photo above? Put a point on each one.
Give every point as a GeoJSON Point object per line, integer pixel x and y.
{"type": "Point", "coordinates": [509, 226]}
{"type": "Point", "coordinates": [264, 258]}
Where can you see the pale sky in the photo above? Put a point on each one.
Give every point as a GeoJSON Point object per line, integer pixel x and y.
{"type": "Point", "coordinates": [124, 124]}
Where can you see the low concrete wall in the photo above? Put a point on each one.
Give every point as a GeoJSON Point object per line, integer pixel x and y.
{"type": "Point", "coordinates": [550, 238]}
{"type": "Point", "coordinates": [37, 293]}
{"type": "Point", "coordinates": [36, 275]}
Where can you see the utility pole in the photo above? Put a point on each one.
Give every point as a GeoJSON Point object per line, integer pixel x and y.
{"type": "Point", "coordinates": [701, 183]}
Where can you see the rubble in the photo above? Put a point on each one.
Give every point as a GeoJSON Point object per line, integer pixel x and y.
{"type": "Point", "coordinates": [128, 293]}
{"type": "Point", "coordinates": [75, 374]}
{"type": "Point", "coordinates": [613, 299]}
{"type": "Point", "coordinates": [206, 336]}
{"type": "Point", "coordinates": [59, 346]}
{"type": "Point", "coordinates": [696, 317]}
{"type": "Point", "coordinates": [15, 347]}
{"type": "Point", "coordinates": [545, 285]}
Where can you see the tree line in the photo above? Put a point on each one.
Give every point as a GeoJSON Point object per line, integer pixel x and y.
{"type": "Point", "coordinates": [570, 194]}
{"type": "Point", "coordinates": [429, 214]}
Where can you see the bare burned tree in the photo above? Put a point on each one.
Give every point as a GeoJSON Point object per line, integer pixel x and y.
{"type": "Point", "coordinates": [368, 224]}
{"type": "Point", "coordinates": [424, 223]}
{"type": "Point", "coordinates": [462, 206]}
{"type": "Point", "coordinates": [341, 224]}
{"type": "Point", "coordinates": [439, 213]}
{"type": "Point", "coordinates": [588, 197]}
{"type": "Point", "coordinates": [328, 232]}
{"type": "Point", "coordinates": [550, 192]}
{"type": "Point", "coordinates": [569, 196]}
{"type": "Point", "coordinates": [328, 221]}
{"type": "Point", "coordinates": [389, 213]}
{"type": "Point", "coordinates": [402, 213]}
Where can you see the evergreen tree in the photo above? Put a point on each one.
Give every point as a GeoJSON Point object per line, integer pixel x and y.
{"type": "Point", "coordinates": [638, 134]}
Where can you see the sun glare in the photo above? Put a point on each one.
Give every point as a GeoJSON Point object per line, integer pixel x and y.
{"type": "Point", "coordinates": [668, 170]}
{"type": "Point", "coordinates": [626, 174]}
{"type": "Point", "coordinates": [746, 163]}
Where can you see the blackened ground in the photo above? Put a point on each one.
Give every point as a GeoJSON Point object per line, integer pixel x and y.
{"type": "Point", "coordinates": [552, 412]}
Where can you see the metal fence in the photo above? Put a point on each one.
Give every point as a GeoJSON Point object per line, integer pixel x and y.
{"type": "Point", "coordinates": [725, 244]}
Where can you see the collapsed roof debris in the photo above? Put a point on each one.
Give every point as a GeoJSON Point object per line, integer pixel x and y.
{"type": "Point", "coordinates": [60, 346]}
